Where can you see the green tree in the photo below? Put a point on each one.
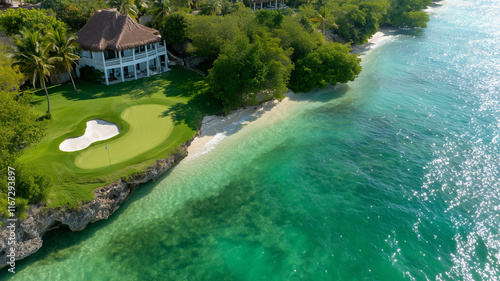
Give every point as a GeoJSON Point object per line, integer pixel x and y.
{"type": "Point", "coordinates": [245, 69]}
{"type": "Point", "coordinates": [74, 13]}
{"type": "Point", "coordinates": [324, 17]}
{"type": "Point", "coordinates": [408, 13]}
{"type": "Point", "coordinates": [10, 77]}
{"type": "Point", "coordinates": [12, 21]}
{"type": "Point", "coordinates": [352, 24]}
{"type": "Point", "coordinates": [31, 55]}
{"type": "Point", "coordinates": [125, 7]}
{"type": "Point", "coordinates": [270, 18]}
{"type": "Point", "coordinates": [196, 3]}
{"type": "Point", "coordinates": [19, 128]}
{"type": "Point", "coordinates": [211, 7]}
{"type": "Point", "coordinates": [208, 34]}
{"type": "Point", "coordinates": [329, 64]}
{"type": "Point", "coordinates": [159, 10]}
{"type": "Point", "coordinates": [293, 35]}
{"type": "Point", "coordinates": [63, 51]}
{"type": "Point", "coordinates": [174, 29]}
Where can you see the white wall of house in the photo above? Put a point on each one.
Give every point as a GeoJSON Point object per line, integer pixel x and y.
{"type": "Point", "coordinates": [140, 62]}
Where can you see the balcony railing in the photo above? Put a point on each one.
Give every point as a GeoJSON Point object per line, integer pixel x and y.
{"type": "Point", "coordinates": [139, 56]}
{"type": "Point", "coordinates": [112, 62]}
{"type": "Point", "coordinates": [127, 59]}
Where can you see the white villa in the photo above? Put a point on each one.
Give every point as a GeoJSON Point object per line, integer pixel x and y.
{"type": "Point", "coordinates": [121, 48]}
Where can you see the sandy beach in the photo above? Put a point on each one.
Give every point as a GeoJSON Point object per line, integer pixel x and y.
{"type": "Point", "coordinates": [215, 128]}
{"type": "Point", "coordinates": [381, 37]}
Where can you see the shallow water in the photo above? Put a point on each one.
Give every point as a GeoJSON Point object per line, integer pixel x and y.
{"type": "Point", "coordinates": [392, 177]}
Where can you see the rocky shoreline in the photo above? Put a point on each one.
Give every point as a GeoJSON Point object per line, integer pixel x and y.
{"type": "Point", "coordinates": [39, 220]}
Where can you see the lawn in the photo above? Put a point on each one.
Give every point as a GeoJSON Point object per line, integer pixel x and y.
{"type": "Point", "coordinates": [155, 115]}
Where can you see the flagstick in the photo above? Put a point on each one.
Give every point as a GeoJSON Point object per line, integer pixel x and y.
{"type": "Point", "coordinates": [109, 156]}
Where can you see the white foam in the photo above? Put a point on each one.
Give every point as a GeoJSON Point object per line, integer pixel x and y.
{"type": "Point", "coordinates": [97, 130]}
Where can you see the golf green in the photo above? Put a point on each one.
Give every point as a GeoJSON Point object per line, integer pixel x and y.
{"type": "Point", "coordinates": [149, 127]}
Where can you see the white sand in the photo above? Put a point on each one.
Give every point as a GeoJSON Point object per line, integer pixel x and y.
{"type": "Point", "coordinates": [96, 130]}
{"type": "Point", "coordinates": [378, 39]}
{"type": "Point", "coordinates": [215, 128]}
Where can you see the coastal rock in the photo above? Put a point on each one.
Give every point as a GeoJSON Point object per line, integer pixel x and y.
{"type": "Point", "coordinates": [29, 232]}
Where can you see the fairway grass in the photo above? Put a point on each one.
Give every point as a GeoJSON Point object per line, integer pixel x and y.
{"type": "Point", "coordinates": [148, 129]}
{"type": "Point", "coordinates": [155, 115]}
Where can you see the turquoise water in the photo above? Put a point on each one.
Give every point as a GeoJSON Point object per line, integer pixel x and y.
{"type": "Point", "coordinates": [392, 177]}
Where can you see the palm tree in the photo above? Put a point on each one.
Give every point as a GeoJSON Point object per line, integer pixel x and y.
{"type": "Point", "coordinates": [212, 7]}
{"type": "Point", "coordinates": [196, 4]}
{"type": "Point", "coordinates": [31, 55]}
{"type": "Point", "coordinates": [160, 9]}
{"type": "Point", "coordinates": [324, 17]}
{"type": "Point", "coordinates": [63, 51]}
{"type": "Point", "coordinates": [125, 7]}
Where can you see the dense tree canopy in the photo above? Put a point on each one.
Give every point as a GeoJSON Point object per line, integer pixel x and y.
{"type": "Point", "coordinates": [408, 13]}
{"type": "Point", "coordinates": [174, 30]}
{"type": "Point", "coordinates": [19, 128]}
{"type": "Point", "coordinates": [254, 53]}
{"type": "Point", "coordinates": [329, 64]}
{"type": "Point", "coordinates": [354, 24]}
{"type": "Point", "coordinates": [208, 34]}
{"type": "Point", "coordinates": [293, 35]}
{"type": "Point", "coordinates": [12, 21]}
{"type": "Point", "coordinates": [74, 13]}
{"type": "Point", "coordinates": [10, 77]}
{"type": "Point", "coordinates": [244, 69]}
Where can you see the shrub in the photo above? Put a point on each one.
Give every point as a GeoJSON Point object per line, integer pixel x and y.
{"type": "Point", "coordinates": [31, 184]}
{"type": "Point", "coordinates": [91, 74]}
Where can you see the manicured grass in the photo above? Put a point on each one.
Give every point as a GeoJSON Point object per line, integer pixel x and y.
{"type": "Point", "coordinates": [155, 115]}
{"type": "Point", "coordinates": [148, 129]}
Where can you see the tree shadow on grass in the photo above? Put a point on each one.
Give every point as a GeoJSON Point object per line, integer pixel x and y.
{"type": "Point", "coordinates": [136, 89]}
{"type": "Point", "coordinates": [192, 112]}
{"type": "Point", "coordinates": [87, 90]}
{"type": "Point", "coordinates": [177, 82]}
{"type": "Point", "coordinates": [145, 87]}
{"type": "Point", "coordinates": [185, 83]}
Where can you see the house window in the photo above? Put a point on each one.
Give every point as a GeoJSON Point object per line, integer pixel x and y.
{"type": "Point", "coordinates": [109, 54]}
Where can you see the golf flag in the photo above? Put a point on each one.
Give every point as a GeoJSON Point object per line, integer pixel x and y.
{"type": "Point", "coordinates": [106, 147]}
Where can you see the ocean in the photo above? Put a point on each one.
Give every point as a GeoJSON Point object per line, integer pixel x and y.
{"type": "Point", "coordinates": [394, 176]}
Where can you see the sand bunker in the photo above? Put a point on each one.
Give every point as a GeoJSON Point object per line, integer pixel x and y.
{"type": "Point", "coordinates": [97, 130]}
